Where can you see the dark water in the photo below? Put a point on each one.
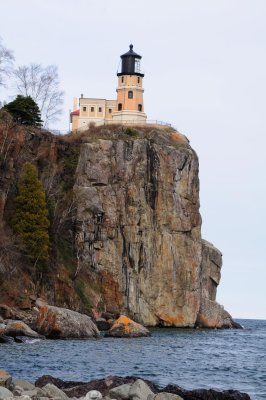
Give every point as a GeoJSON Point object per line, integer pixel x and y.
{"type": "Point", "coordinates": [228, 359]}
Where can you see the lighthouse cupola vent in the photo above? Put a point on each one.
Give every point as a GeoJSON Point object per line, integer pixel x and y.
{"type": "Point", "coordinates": [130, 63]}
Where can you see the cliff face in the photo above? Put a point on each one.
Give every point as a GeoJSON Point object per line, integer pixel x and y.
{"type": "Point", "coordinates": [129, 213]}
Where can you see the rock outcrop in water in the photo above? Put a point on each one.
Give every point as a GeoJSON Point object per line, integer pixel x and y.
{"type": "Point", "coordinates": [124, 327]}
{"type": "Point", "coordinates": [125, 227]}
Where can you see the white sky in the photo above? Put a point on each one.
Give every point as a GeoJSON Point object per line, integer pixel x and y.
{"type": "Point", "coordinates": [205, 66]}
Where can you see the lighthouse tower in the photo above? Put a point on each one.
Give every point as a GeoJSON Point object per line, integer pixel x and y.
{"type": "Point", "coordinates": [130, 107]}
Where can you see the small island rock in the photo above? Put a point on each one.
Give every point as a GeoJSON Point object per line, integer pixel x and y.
{"type": "Point", "coordinates": [124, 327]}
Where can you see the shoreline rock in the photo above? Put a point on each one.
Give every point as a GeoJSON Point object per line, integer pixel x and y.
{"type": "Point", "coordinates": [113, 387]}
{"type": "Point", "coordinates": [62, 323]}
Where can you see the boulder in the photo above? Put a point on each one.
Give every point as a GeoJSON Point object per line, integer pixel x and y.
{"type": "Point", "coordinates": [24, 385]}
{"type": "Point", "coordinates": [102, 324]}
{"type": "Point", "coordinates": [56, 322]}
{"type": "Point", "coordinates": [124, 327]}
{"type": "Point", "coordinates": [19, 328]}
{"type": "Point", "coordinates": [5, 394]}
{"type": "Point", "coordinates": [121, 392]}
{"type": "Point", "coordinates": [54, 392]}
{"type": "Point", "coordinates": [140, 391]}
{"type": "Point", "coordinates": [167, 396]}
{"type": "Point", "coordinates": [206, 394]}
{"type": "Point", "coordinates": [2, 328]}
{"type": "Point", "coordinates": [213, 315]}
{"type": "Point", "coordinates": [93, 395]}
{"type": "Point", "coordinates": [5, 379]}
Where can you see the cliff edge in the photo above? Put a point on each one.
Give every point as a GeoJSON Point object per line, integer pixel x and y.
{"type": "Point", "coordinates": [125, 227]}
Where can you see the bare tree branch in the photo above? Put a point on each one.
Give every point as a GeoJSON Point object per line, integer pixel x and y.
{"type": "Point", "coordinates": [42, 84]}
{"type": "Point", "coordinates": [6, 61]}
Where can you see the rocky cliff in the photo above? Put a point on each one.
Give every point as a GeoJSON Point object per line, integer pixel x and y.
{"type": "Point", "coordinates": [125, 227]}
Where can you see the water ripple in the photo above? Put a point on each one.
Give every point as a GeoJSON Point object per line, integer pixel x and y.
{"type": "Point", "coordinates": [226, 359]}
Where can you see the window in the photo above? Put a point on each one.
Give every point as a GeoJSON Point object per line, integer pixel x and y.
{"type": "Point", "coordinates": [100, 109]}
{"type": "Point", "coordinates": [130, 94]}
{"type": "Point", "coordinates": [138, 79]}
{"type": "Point", "coordinates": [119, 107]}
{"type": "Point", "coordinates": [140, 107]}
{"type": "Point", "coordinates": [92, 109]}
{"type": "Point", "coordinates": [110, 111]}
{"type": "Point", "coordinates": [84, 108]}
{"type": "Point", "coordinates": [122, 79]}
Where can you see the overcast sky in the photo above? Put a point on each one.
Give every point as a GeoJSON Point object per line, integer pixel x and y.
{"type": "Point", "coordinates": [205, 66]}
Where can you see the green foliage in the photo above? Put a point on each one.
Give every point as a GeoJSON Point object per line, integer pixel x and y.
{"type": "Point", "coordinates": [24, 111]}
{"type": "Point", "coordinates": [70, 160]}
{"type": "Point", "coordinates": [31, 215]}
{"type": "Point", "coordinates": [132, 132]}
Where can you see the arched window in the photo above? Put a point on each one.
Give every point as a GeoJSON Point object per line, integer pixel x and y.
{"type": "Point", "coordinates": [140, 107]}
{"type": "Point", "coordinates": [119, 107]}
{"type": "Point", "coordinates": [130, 94]}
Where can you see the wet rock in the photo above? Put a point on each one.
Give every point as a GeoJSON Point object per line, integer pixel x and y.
{"type": "Point", "coordinates": [19, 328]}
{"type": "Point", "coordinates": [206, 394]}
{"type": "Point", "coordinates": [5, 379]}
{"type": "Point", "coordinates": [124, 327]}
{"type": "Point", "coordinates": [140, 391]}
{"type": "Point", "coordinates": [54, 392]}
{"type": "Point", "coordinates": [6, 339]}
{"type": "Point", "coordinates": [45, 379]}
{"type": "Point", "coordinates": [5, 394]}
{"type": "Point", "coordinates": [120, 392]}
{"type": "Point", "coordinates": [102, 324]}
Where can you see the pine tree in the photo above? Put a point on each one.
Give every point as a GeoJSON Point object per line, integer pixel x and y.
{"type": "Point", "coordinates": [24, 111]}
{"type": "Point", "coordinates": [31, 215]}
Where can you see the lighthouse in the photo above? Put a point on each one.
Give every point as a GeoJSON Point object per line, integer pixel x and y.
{"type": "Point", "coordinates": [128, 108]}
{"type": "Point", "coordinates": [129, 104]}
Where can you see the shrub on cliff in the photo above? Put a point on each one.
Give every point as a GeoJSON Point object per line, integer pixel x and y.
{"type": "Point", "coordinates": [24, 111]}
{"type": "Point", "coordinates": [31, 215]}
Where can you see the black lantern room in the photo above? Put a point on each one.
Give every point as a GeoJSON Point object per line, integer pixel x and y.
{"type": "Point", "coordinates": [130, 63]}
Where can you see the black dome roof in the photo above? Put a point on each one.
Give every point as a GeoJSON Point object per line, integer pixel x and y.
{"type": "Point", "coordinates": [131, 53]}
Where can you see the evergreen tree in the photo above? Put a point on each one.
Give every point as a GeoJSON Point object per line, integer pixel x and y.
{"type": "Point", "coordinates": [24, 111]}
{"type": "Point", "coordinates": [31, 215]}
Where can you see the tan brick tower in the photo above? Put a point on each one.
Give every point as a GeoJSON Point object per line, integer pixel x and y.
{"type": "Point", "coordinates": [130, 107]}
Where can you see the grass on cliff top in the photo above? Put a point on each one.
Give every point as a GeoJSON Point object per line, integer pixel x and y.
{"type": "Point", "coordinates": [122, 132]}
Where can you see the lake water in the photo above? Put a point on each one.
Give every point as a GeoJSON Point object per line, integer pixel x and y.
{"type": "Point", "coordinates": [223, 359]}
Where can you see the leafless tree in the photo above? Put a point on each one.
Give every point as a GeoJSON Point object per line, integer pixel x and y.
{"type": "Point", "coordinates": [6, 61]}
{"type": "Point", "coordinates": [42, 84]}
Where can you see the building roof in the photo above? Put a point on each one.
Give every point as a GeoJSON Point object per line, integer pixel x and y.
{"type": "Point", "coordinates": [76, 112]}
{"type": "Point", "coordinates": [131, 53]}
